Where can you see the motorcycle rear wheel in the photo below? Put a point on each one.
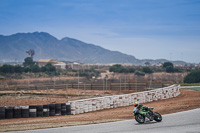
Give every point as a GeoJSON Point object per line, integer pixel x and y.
{"type": "Point", "coordinates": [157, 117]}
{"type": "Point", "coordinates": [140, 118]}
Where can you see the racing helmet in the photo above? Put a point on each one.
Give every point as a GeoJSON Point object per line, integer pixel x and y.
{"type": "Point", "coordinates": [135, 104]}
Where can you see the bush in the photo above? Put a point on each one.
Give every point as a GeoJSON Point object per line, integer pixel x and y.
{"type": "Point", "coordinates": [192, 77]}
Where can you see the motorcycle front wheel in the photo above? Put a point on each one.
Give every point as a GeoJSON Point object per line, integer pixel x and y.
{"type": "Point", "coordinates": [157, 117]}
{"type": "Point", "coordinates": [140, 118]}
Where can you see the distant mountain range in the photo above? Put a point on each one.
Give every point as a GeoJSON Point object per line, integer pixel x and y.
{"type": "Point", "coordinates": [14, 47]}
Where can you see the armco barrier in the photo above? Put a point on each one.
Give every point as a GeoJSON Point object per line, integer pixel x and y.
{"type": "Point", "coordinates": [93, 104]}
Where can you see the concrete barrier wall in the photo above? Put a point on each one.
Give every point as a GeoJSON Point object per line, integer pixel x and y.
{"type": "Point", "coordinates": [100, 103]}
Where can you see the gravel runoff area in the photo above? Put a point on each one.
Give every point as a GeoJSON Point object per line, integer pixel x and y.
{"type": "Point", "coordinates": [187, 100]}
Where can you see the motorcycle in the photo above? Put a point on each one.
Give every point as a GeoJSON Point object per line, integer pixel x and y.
{"type": "Point", "coordinates": [143, 113]}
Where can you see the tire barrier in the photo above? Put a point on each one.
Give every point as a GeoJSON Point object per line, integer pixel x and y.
{"type": "Point", "coordinates": [9, 112]}
{"type": "Point", "coordinates": [25, 111]}
{"type": "Point", "coordinates": [107, 102]}
{"type": "Point", "coordinates": [2, 113]}
{"type": "Point", "coordinates": [57, 109]}
{"type": "Point", "coordinates": [51, 109]}
{"type": "Point", "coordinates": [68, 109]}
{"type": "Point", "coordinates": [63, 109]}
{"type": "Point", "coordinates": [32, 111]}
{"type": "Point", "coordinates": [39, 110]}
{"type": "Point", "coordinates": [17, 112]}
{"type": "Point", "coordinates": [45, 110]}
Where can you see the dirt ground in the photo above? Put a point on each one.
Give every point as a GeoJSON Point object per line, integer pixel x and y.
{"type": "Point", "coordinates": [187, 100]}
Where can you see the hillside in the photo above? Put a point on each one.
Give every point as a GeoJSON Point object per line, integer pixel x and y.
{"type": "Point", "coordinates": [14, 47]}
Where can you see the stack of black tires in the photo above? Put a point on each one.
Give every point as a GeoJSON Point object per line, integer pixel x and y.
{"type": "Point", "coordinates": [9, 112]}
{"type": "Point", "coordinates": [17, 112]}
{"type": "Point", "coordinates": [2, 113]}
{"type": "Point", "coordinates": [46, 110]}
{"type": "Point", "coordinates": [25, 111]}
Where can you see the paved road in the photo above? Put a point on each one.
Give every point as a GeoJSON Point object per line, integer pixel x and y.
{"type": "Point", "coordinates": [183, 122]}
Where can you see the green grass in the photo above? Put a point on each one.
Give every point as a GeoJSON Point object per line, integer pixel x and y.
{"type": "Point", "coordinates": [195, 88]}
{"type": "Point", "coordinates": [192, 84]}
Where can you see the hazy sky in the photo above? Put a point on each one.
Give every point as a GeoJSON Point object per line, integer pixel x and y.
{"type": "Point", "coordinates": [147, 29]}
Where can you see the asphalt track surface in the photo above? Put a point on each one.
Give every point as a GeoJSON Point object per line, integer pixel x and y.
{"type": "Point", "coordinates": [182, 122]}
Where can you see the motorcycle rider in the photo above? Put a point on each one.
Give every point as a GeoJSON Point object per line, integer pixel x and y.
{"type": "Point", "coordinates": [140, 106]}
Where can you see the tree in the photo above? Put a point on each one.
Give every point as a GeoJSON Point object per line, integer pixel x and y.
{"type": "Point", "coordinates": [50, 68]}
{"type": "Point", "coordinates": [28, 61]}
{"type": "Point", "coordinates": [18, 69]}
{"type": "Point", "coordinates": [169, 69]}
{"type": "Point", "coordinates": [131, 70]}
{"type": "Point", "coordinates": [166, 64]}
{"type": "Point", "coordinates": [7, 69]}
{"type": "Point", "coordinates": [147, 70]}
{"type": "Point", "coordinates": [89, 73]}
{"type": "Point", "coordinates": [147, 63]}
{"type": "Point", "coordinates": [27, 69]}
{"type": "Point", "coordinates": [192, 77]}
{"type": "Point", "coordinates": [35, 68]}
{"type": "Point", "coordinates": [116, 68]}
{"type": "Point", "coordinates": [120, 69]}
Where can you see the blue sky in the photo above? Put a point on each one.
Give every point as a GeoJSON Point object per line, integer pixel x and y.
{"type": "Point", "coordinates": [147, 29]}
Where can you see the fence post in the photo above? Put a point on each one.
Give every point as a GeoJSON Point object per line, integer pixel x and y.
{"type": "Point", "coordinates": [47, 94]}
{"type": "Point", "coordinates": [15, 94]}
{"type": "Point", "coordinates": [66, 91]}
{"type": "Point", "coordinates": [53, 83]}
{"type": "Point", "coordinates": [103, 84]}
